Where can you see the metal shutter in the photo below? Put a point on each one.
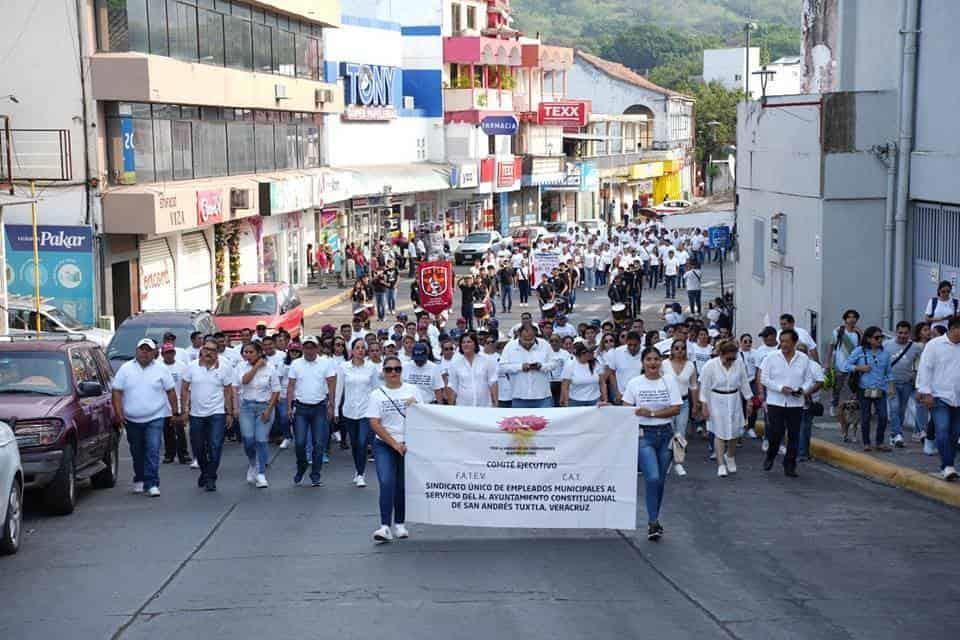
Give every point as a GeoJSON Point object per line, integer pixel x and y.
{"type": "Point", "coordinates": [196, 276]}
{"type": "Point", "coordinates": [157, 276]}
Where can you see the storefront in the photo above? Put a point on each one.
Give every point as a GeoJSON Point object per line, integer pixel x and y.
{"type": "Point", "coordinates": [286, 227]}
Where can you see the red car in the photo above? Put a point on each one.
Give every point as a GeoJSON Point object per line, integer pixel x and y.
{"type": "Point", "coordinates": [274, 303]}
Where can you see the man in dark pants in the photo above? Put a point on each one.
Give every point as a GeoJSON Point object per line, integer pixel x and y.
{"type": "Point", "coordinates": [785, 376]}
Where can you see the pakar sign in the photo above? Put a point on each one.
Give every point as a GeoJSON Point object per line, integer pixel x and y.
{"type": "Point", "coordinates": [435, 281]}
{"type": "Point", "coordinates": [564, 114]}
{"type": "Point", "coordinates": [371, 91]}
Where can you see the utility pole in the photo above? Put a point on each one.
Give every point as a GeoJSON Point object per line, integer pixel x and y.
{"type": "Point", "coordinates": [747, 28]}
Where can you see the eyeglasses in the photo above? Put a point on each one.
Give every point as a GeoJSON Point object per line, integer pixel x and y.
{"type": "Point", "coordinates": [208, 350]}
{"type": "Point", "coordinates": [448, 348]}
{"type": "Point", "coordinates": [392, 369]}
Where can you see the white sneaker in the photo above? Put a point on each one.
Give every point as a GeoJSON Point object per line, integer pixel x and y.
{"type": "Point", "coordinates": [765, 446]}
{"type": "Point", "coordinates": [262, 481]}
{"type": "Point", "coordinates": [782, 450]}
{"type": "Point", "coordinates": [731, 464]}
{"type": "Point", "coordinates": [354, 481]}
{"type": "Point", "coordinates": [400, 531]}
{"type": "Point", "coordinates": [722, 471]}
{"type": "Point", "coordinates": [752, 434]}
{"type": "Point", "coordinates": [194, 464]}
{"type": "Point", "coordinates": [154, 492]}
{"type": "Point", "coordinates": [929, 447]}
{"type": "Point", "coordinates": [897, 440]}
{"type": "Point", "coordinates": [680, 470]}
{"type": "Point", "coordinates": [361, 481]}
{"type": "Point", "coordinates": [713, 455]}
{"type": "Point", "coordinates": [336, 436]}
{"type": "Point", "coordinates": [383, 534]}
{"type": "Point", "coordinates": [949, 473]}
{"type": "Point", "coordinates": [285, 444]}
{"type": "Point", "coordinates": [251, 474]}
{"type": "Point", "coordinates": [919, 436]}
{"type": "Point", "coordinates": [136, 487]}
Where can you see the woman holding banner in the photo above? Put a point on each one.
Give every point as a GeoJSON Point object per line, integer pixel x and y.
{"type": "Point", "coordinates": [657, 400]}
{"type": "Point", "coordinates": [387, 412]}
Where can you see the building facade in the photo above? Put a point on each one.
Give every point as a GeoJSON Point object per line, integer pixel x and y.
{"type": "Point", "coordinates": [729, 67]}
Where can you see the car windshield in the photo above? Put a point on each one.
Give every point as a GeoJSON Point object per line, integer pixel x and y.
{"type": "Point", "coordinates": [38, 372]}
{"type": "Point", "coordinates": [64, 318]}
{"type": "Point", "coordinates": [554, 227]}
{"type": "Point", "coordinates": [477, 238]}
{"type": "Point", "coordinates": [248, 303]}
{"type": "Point", "coordinates": [521, 233]}
{"type": "Point", "coordinates": [124, 342]}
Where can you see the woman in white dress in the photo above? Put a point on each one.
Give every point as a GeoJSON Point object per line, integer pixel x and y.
{"type": "Point", "coordinates": [723, 380]}
{"type": "Point", "coordinates": [686, 376]}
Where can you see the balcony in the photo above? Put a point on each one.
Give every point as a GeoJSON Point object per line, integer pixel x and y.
{"type": "Point", "coordinates": [526, 102]}
{"type": "Point", "coordinates": [478, 99]}
{"type": "Point", "coordinates": [479, 50]}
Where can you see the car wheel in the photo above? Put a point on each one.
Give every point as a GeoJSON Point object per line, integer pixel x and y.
{"type": "Point", "coordinates": [107, 479]}
{"type": "Point", "coordinates": [10, 533]}
{"type": "Point", "coordinates": [60, 495]}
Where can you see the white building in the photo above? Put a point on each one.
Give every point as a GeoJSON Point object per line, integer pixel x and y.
{"type": "Point", "coordinates": [729, 68]}
{"type": "Point", "coordinates": [785, 79]}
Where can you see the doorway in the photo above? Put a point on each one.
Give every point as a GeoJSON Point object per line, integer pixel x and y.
{"type": "Point", "coordinates": [125, 289]}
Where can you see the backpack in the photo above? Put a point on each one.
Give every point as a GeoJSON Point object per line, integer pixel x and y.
{"type": "Point", "coordinates": [933, 305]}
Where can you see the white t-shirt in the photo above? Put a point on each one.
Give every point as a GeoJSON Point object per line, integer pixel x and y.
{"type": "Point", "coordinates": [177, 371]}
{"type": "Point", "coordinates": [692, 279]}
{"type": "Point", "coordinates": [389, 406]}
{"type": "Point", "coordinates": [311, 378]}
{"type": "Point", "coordinates": [626, 366]}
{"type": "Point", "coordinates": [206, 388]}
{"type": "Point", "coordinates": [584, 385]}
{"type": "Point", "coordinates": [652, 394]}
{"type": "Point", "coordinates": [425, 380]}
{"type": "Point", "coordinates": [671, 266]}
{"type": "Point", "coordinates": [944, 308]}
{"type": "Point", "coordinates": [684, 378]}
{"type": "Point", "coordinates": [700, 355]}
{"type": "Point", "coordinates": [266, 381]}
{"type": "Point", "coordinates": [144, 390]}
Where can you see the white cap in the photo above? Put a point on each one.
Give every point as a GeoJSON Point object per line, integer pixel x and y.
{"type": "Point", "coordinates": [312, 339]}
{"type": "Point", "coordinates": [147, 342]}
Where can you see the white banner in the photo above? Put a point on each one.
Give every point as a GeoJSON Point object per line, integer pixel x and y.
{"type": "Point", "coordinates": [573, 468]}
{"type": "Point", "coordinates": [543, 263]}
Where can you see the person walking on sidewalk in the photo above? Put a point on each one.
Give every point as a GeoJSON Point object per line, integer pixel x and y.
{"type": "Point", "coordinates": [207, 397]}
{"type": "Point", "coordinates": [143, 395]}
{"type": "Point", "coordinates": [904, 356]}
{"type": "Point", "coordinates": [938, 384]}
{"type": "Point", "coordinates": [174, 432]}
{"type": "Point", "coordinates": [785, 376]}
{"type": "Point", "coordinates": [872, 363]}
{"type": "Point", "coordinates": [693, 281]}
{"type": "Point", "coordinates": [723, 381]}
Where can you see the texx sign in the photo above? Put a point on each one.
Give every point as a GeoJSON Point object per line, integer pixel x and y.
{"type": "Point", "coordinates": [564, 114]}
{"type": "Point", "coordinates": [371, 91]}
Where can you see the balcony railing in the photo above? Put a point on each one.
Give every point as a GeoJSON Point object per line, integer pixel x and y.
{"type": "Point", "coordinates": [478, 99]}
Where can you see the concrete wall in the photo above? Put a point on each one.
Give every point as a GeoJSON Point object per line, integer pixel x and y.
{"type": "Point", "coordinates": [729, 68]}
{"type": "Point", "coordinates": [869, 52]}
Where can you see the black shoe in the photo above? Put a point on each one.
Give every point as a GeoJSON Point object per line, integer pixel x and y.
{"type": "Point", "coordinates": [298, 477]}
{"type": "Point", "coordinates": [767, 464]}
{"type": "Point", "coordinates": [167, 460]}
{"type": "Point", "coordinates": [344, 446]}
{"type": "Point", "coordinates": [654, 531]}
{"type": "Point", "coordinates": [186, 460]}
{"type": "Point", "coordinates": [201, 481]}
{"type": "Point", "coordinates": [211, 485]}
{"type": "Point", "coordinates": [790, 473]}
{"type": "Point", "coordinates": [316, 483]}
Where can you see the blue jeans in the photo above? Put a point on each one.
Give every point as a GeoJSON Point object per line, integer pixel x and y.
{"type": "Point", "coordinates": [391, 300]}
{"type": "Point", "coordinates": [590, 277]}
{"type": "Point", "coordinates": [360, 435]}
{"type": "Point", "coordinates": [806, 432]}
{"type": "Point", "coordinates": [653, 459]}
{"type": "Point", "coordinates": [524, 291]}
{"type": "Point", "coordinates": [681, 420]}
{"type": "Point", "coordinates": [523, 403]}
{"type": "Point", "coordinates": [312, 419]}
{"type": "Point", "coordinates": [946, 420]}
{"type": "Point", "coordinates": [281, 421]}
{"type": "Point", "coordinates": [898, 406]}
{"type": "Point", "coordinates": [922, 418]}
{"type": "Point", "coordinates": [393, 500]}
{"type": "Point", "coordinates": [582, 403]}
{"type": "Point", "coordinates": [145, 439]}
{"type": "Point", "coordinates": [206, 440]}
{"type": "Point", "coordinates": [506, 297]}
{"type": "Point", "coordinates": [255, 433]}
{"type": "Point", "coordinates": [694, 298]}
{"type": "Point", "coordinates": [671, 286]}
{"type": "Point", "coordinates": [381, 300]}
{"type": "Point", "coordinates": [881, 408]}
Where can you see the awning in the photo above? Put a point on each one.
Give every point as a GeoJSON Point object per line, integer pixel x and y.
{"type": "Point", "coordinates": [398, 178]}
{"type": "Point", "coordinates": [583, 136]}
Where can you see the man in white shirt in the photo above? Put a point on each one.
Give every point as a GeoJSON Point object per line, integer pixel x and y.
{"type": "Point", "coordinates": [625, 364]}
{"type": "Point", "coordinates": [563, 328]}
{"type": "Point", "coordinates": [424, 375]}
{"type": "Point", "coordinates": [207, 398]}
{"type": "Point", "coordinates": [787, 321]}
{"type": "Point", "coordinates": [174, 433]}
{"type": "Point", "coordinates": [193, 351]}
{"type": "Point", "coordinates": [312, 381]}
{"type": "Point", "coordinates": [143, 395]}
{"type": "Point", "coordinates": [938, 386]}
{"type": "Point", "coordinates": [786, 378]}
{"type": "Point", "coordinates": [529, 362]}
{"type": "Point", "coordinates": [671, 270]}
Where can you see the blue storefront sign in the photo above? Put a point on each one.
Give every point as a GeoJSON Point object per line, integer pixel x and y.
{"type": "Point", "coordinates": [589, 177]}
{"type": "Point", "coordinates": [129, 174]}
{"type": "Point", "coordinates": [66, 266]}
{"type": "Point", "coordinates": [719, 237]}
{"type": "Point", "coordinates": [499, 125]}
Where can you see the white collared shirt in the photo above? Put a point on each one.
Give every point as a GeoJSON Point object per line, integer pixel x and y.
{"type": "Point", "coordinates": [626, 366]}
{"type": "Point", "coordinates": [426, 379]}
{"type": "Point", "coordinates": [776, 373]}
{"type": "Point", "coordinates": [311, 378]}
{"type": "Point", "coordinates": [177, 371]}
{"type": "Point", "coordinates": [206, 388]}
{"type": "Point", "coordinates": [533, 384]}
{"type": "Point", "coordinates": [144, 390]}
{"type": "Point", "coordinates": [939, 372]}
{"type": "Point", "coordinates": [265, 382]}
{"type": "Point", "coordinates": [472, 382]}
{"type": "Point", "coordinates": [354, 386]}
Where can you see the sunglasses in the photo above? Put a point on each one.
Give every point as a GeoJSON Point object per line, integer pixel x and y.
{"type": "Point", "coordinates": [392, 369]}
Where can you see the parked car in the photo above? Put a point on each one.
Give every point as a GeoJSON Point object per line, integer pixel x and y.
{"type": "Point", "coordinates": [673, 206]}
{"type": "Point", "coordinates": [153, 324]}
{"type": "Point", "coordinates": [55, 394]}
{"type": "Point", "coordinates": [22, 318]}
{"type": "Point", "coordinates": [276, 304]}
{"type": "Point", "coordinates": [562, 231]}
{"type": "Point", "coordinates": [476, 245]}
{"type": "Point", "coordinates": [526, 237]}
{"type": "Point", "coordinates": [11, 491]}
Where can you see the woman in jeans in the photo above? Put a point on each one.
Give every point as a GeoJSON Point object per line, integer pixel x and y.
{"type": "Point", "coordinates": [356, 380]}
{"type": "Point", "coordinates": [873, 363]}
{"type": "Point", "coordinates": [657, 401]}
{"type": "Point", "coordinates": [387, 412]}
{"type": "Point", "coordinates": [582, 379]}
{"type": "Point", "coordinates": [685, 374]}
{"type": "Point", "coordinates": [259, 390]}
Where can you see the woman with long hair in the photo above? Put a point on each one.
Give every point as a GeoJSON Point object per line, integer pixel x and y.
{"type": "Point", "coordinates": [873, 363]}
{"type": "Point", "coordinates": [582, 379]}
{"type": "Point", "coordinates": [259, 392]}
{"type": "Point", "coordinates": [723, 380]}
{"type": "Point", "coordinates": [387, 412]}
{"type": "Point", "coordinates": [356, 380]}
{"type": "Point", "coordinates": [657, 401]}
{"type": "Point", "coordinates": [685, 374]}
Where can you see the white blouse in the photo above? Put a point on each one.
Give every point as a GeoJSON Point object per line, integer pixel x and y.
{"type": "Point", "coordinates": [354, 386]}
{"type": "Point", "coordinates": [265, 382]}
{"type": "Point", "coordinates": [685, 379]}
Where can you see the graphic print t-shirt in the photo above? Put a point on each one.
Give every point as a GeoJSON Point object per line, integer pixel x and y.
{"type": "Point", "coordinates": [658, 394]}
{"type": "Point", "coordinates": [390, 407]}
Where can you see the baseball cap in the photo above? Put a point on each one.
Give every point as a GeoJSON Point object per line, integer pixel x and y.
{"type": "Point", "coordinates": [328, 329]}
{"type": "Point", "coordinates": [312, 339]}
{"type": "Point", "coordinates": [389, 343]}
{"type": "Point", "coordinates": [168, 346]}
{"type": "Point", "coordinates": [596, 322]}
{"type": "Point", "coordinates": [401, 317]}
{"type": "Point", "coordinates": [493, 323]}
{"type": "Point", "coordinates": [261, 323]}
{"type": "Point", "coordinates": [767, 331]}
{"type": "Point", "coordinates": [295, 346]}
{"type": "Point", "coordinates": [419, 352]}
{"type": "Point", "coordinates": [382, 333]}
{"type": "Point", "coordinates": [461, 321]}
{"type": "Point", "coordinates": [147, 342]}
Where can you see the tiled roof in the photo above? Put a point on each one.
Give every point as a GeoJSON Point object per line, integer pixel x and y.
{"type": "Point", "coordinates": [624, 74]}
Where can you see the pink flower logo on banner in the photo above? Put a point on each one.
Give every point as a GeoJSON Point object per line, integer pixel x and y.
{"type": "Point", "coordinates": [522, 428]}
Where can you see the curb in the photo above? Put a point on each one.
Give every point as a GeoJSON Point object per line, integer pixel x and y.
{"type": "Point", "coordinates": [886, 473]}
{"type": "Point", "coordinates": [327, 303]}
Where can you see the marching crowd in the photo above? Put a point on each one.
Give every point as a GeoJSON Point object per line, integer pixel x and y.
{"type": "Point", "coordinates": [352, 384]}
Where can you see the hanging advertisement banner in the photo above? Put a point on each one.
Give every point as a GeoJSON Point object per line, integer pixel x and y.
{"type": "Point", "coordinates": [532, 468]}
{"type": "Point", "coordinates": [66, 267]}
{"type": "Point", "coordinates": [436, 285]}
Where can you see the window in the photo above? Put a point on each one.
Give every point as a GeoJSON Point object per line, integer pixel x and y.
{"type": "Point", "coordinates": [239, 39]}
{"type": "Point", "coordinates": [262, 48]}
{"type": "Point", "coordinates": [209, 149]}
{"type": "Point", "coordinates": [309, 146]}
{"type": "Point", "coordinates": [308, 57]}
{"type": "Point", "coordinates": [163, 150]}
{"type": "Point", "coordinates": [240, 142]}
{"type": "Point", "coordinates": [211, 37]}
{"type": "Point", "coordinates": [183, 30]}
{"type": "Point", "coordinates": [759, 244]}
{"type": "Point", "coordinates": [471, 17]}
{"type": "Point", "coordinates": [182, 151]}
{"type": "Point", "coordinates": [143, 143]}
{"type": "Point", "coordinates": [157, 11]}
{"type": "Point", "coordinates": [284, 53]}
{"type": "Point", "coordinates": [286, 146]}
{"type": "Point", "coordinates": [263, 147]}
{"type": "Point", "coordinates": [455, 21]}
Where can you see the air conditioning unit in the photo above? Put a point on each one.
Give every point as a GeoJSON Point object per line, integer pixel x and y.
{"type": "Point", "coordinates": [323, 96]}
{"type": "Point", "coordinates": [408, 102]}
{"type": "Point", "coordinates": [280, 92]}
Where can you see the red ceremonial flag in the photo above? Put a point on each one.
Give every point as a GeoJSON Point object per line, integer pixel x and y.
{"type": "Point", "coordinates": [435, 280]}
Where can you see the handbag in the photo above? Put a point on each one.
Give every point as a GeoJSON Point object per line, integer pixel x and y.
{"type": "Point", "coordinates": [815, 409]}
{"type": "Point", "coordinates": [679, 446]}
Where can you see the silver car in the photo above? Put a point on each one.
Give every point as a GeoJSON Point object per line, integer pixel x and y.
{"type": "Point", "coordinates": [11, 491]}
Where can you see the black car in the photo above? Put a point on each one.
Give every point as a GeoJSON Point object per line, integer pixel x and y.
{"type": "Point", "coordinates": [153, 324]}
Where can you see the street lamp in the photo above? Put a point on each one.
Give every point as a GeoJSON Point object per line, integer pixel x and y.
{"type": "Point", "coordinates": [747, 28]}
